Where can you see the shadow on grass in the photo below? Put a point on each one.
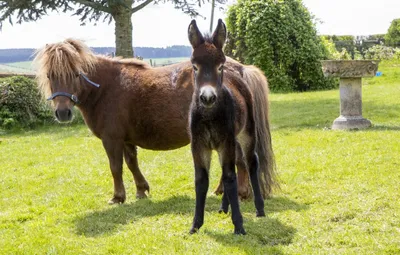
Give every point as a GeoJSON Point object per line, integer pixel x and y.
{"type": "Point", "coordinates": [99, 223]}
{"type": "Point", "coordinates": [264, 233]}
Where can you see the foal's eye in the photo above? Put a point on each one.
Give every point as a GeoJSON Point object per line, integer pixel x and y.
{"type": "Point", "coordinates": [220, 68]}
{"type": "Point", "coordinates": [195, 68]}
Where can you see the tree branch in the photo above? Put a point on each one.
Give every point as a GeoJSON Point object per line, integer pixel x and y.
{"type": "Point", "coordinates": [94, 5]}
{"type": "Point", "coordinates": [141, 6]}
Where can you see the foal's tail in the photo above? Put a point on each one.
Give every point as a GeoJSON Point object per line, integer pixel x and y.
{"type": "Point", "coordinates": [258, 85]}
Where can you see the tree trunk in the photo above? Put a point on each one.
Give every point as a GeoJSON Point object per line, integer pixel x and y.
{"type": "Point", "coordinates": [123, 31]}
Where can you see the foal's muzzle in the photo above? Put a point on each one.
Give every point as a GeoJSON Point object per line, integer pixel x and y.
{"type": "Point", "coordinates": [64, 115]}
{"type": "Point", "coordinates": [208, 96]}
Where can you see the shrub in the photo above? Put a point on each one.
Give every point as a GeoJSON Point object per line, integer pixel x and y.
{"type": "Point", "coordinates": [382, 52]}
{"type": "Point", "coordinates": [330, 49]}
{"type": "Point", "coordinates": [280, 38]}
{"type": "Point", "coordinates": [21, 104]}
{"type": "Point", "coordinates": [392, 37]}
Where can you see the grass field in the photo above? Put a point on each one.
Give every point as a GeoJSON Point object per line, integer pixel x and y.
{"type": "Point", "coordinates": [339, 190]}
{"type": "Point", "coordinates": [17, 67]}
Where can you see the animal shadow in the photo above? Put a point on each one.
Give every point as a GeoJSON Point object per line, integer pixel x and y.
{"type": "Point", "coordinates": [264, 236]}
{"type": "Point", "coordinates": [102, 222]}
{"type": "Point", "coordinates": [109, 220]}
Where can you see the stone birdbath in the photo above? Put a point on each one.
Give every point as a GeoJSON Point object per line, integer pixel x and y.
{"type": "Point", "coordinates": [350, 73]}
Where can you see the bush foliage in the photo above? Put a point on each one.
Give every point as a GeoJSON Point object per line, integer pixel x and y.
{"type": "Point", "coordinates": [331, 51]}
{"type": "Point", "coordinates": [382, 52]}
{"type": "Point", "coordinates": [21, 104]}
{"type": "Point", "coordinates": [392, 37]}
{"type": "Point", "coordinates": [280, 38]}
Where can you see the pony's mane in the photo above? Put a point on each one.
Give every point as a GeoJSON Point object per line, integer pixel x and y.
{"type": "Point", "coordinates": [64, 60]}
{"type": "Point", "coordinates": [132, 61]}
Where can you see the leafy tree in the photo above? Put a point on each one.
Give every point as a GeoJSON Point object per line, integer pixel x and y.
{"type": "Point", "coordinates": [392, 37]}
{"type": "Point", "coordinates": [120, 11]}
{"type": "Point", "coordinates": [279, 37]}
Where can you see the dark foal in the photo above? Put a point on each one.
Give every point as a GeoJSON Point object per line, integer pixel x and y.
{"type": "Point", "coordinates": [221, 119]}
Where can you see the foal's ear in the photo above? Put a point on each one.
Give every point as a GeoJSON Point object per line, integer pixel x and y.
{"type": "Point", "coordinates": [219, 35]}
{"type": "Point", "coordinates": [194, 35]}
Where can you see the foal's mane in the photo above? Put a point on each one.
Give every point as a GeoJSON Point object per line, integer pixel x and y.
{"type": "Point", "coordinates": [65, 60]}
{"type": "Point", "coordinates": [208, 38]}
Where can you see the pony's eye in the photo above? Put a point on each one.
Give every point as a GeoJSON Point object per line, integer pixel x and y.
{"type": "Point", "coordinates": [195, 68]}
{"type": "Point", "coordinates": [220, 68]}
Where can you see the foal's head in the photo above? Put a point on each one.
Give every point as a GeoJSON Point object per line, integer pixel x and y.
{"type": "Point", "coordinates": [208, 61]}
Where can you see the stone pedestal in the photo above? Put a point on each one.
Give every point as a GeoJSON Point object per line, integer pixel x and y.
{"type": "Point", "coordinates": [350, 73]}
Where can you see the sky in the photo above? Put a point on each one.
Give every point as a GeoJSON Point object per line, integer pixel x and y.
{"type": "Point", "coordinates": [162, 25]}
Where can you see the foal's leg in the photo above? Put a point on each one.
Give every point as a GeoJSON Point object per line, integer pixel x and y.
{"type": "Point", "coordinates": [130, 154]}
{"type": "Point", "coordinates": [201, 158]}
{"type": "Point", "coordinates": [224, 204]}
{"type": "Point", "coordinates": [258, 199]}
{"type": "Point", "coordinates": [244, 190]}
{"type": "Point", "coordinates": [253, 163]}
{"type": "Point", "coordinates": [220, 188]}
{"type": "Point", "coordinates": [227, 159]}
{"type": "Point", "coordinates": [114, 149]}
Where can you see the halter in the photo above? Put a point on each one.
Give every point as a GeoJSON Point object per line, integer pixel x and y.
{"type": "Point", "coordinates": [73, 98]}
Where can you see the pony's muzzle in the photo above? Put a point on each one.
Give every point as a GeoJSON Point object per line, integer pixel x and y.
{"type": "Point", "coordinates": [208, 96]}
{"type": "Point", "coordinates": [64, 115]}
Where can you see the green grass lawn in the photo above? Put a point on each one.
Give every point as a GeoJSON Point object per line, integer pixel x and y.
{"type": "Point", "coordinates": [17, 67]}
{"type": "Point", "coordinates": [339, 192]}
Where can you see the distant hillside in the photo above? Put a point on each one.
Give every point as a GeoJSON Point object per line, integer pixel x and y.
{"type": "Point", "coordinates": [18, 55]}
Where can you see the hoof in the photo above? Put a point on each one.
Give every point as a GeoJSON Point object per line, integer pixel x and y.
{"type": "Point", "coordinates": [116, 200]}
{"type": "Point", "coordinates": [195, 227]}
{"type": "Point", "coordinates": [219, 190]}
{"type": "Point", "coordinates": [260, 214]}
{"type": "Point", "coordinates": [141, 191]}
{"type": "Point", "coordinates": [193, 231]}
{"type": "Point", "coordinates": [221, 210]}
{"type": "Point", "coordinates": [240, 231]}
{"type": "Point", "coordinates": [224, 207]}
{"type": "Point", "coordinates": [141, 195]}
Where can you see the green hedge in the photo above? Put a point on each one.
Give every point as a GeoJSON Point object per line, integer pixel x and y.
{"type": "Point", "coordinates": [281, 39]}
{"type": "Point", "coordinates": [22, 106]}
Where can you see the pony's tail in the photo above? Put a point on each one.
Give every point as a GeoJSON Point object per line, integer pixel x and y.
{"type": "Point", "coordinates": [258, 85]}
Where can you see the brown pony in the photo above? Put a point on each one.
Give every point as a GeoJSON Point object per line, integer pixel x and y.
{"type": "Point", "coordinates": [126, 103]}
{"type": "Point", "coordinates": [221, 119]}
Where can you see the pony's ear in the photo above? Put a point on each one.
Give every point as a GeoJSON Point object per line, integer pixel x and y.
{"type": "Point", "coordinates": [219, 35]}
{"type": "Point", "coordinates": [194, 35]}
